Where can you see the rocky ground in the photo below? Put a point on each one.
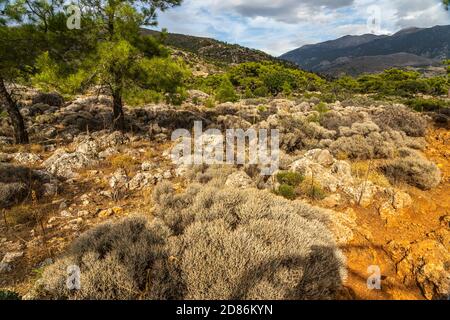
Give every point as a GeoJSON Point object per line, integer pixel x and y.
{"type": "Point", "coordinates": [77, 173]}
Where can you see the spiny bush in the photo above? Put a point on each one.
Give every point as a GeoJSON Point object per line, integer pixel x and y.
{"type": "Point", "coordinates": [401, 119]}
{"type": "Point", "coordinates": [355, 147]}
{"type": "Point", "coordinates": [332, 120]}
{"type": "Point", "coordinates": [416, 171]}
{"type": "Point", "coordinates": [249, 244]}
{"type": "Point", "coordinates": [231, 244]}
{"type": "Point", "coordinates": [121, 261]}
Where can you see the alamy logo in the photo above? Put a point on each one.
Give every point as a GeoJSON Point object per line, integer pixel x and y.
{"type": "Point", "coordinates": [374, 281]}
{"type": "Point", "coordinates": [212, 147]}
{"type": "Point", "coordinates": [74, 19]}
{"type": "Point", "coordinates": [73, 281]}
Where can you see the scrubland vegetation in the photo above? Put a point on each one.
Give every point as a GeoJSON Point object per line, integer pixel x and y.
{"type": "Point", "coordinates": [99, 105]}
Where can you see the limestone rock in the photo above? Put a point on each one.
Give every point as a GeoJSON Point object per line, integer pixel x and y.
{"type": "Point", "coordinates": [63, 164]}
{"type": "Point", "coordinates": [239, 180]}
{"type": "Point", "coordinates": [141, 180]}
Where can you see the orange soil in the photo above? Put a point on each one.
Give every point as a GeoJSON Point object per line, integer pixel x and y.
{"type": "Point", "coordinates": [412, 224]}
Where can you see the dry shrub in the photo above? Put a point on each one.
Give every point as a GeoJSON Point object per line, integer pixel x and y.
{"type": "Point", "coordinates": [416, 171]}
{"type": "Point", "coordinates": [333, 120]}
{"type": "Point", "coordinates": [20, 214]}
{"type": "Point", "coordinates": [296, 133]}
{"type": "Point", "coordinates": [214, 175]}
{"type": "Point", "coordinates": [373, 146]}
{"type": "Point", "coordinates": [228, 244]}
{"type": "Point", "coordinates": [126, 260]}
{"type": "Point", "coordinates": [355, 147]}
{"type": "Point", "coordinates": [402, 119]}
{"type": "Point", "coordinates": [250, 244]}
{"type": "Point", "coordinates": [17, 182]}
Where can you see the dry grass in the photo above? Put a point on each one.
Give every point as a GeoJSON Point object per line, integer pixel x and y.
{"type": "Point", "coordinates": [123, 161]}
{"type": "Point", "coordinates": [312, 189]}
{"type": "Point", "coordinates": [366, 170]}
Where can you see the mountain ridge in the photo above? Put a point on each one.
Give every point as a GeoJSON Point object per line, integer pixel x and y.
{"type": "Point", "coordinates": [421, 47]}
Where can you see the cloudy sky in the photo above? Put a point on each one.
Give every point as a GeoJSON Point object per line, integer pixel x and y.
{"type": "Point", "coordinates": [277, 26]}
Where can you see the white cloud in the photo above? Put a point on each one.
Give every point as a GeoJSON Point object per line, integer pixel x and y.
{"type": "Point", "coordinates": [277, 26]}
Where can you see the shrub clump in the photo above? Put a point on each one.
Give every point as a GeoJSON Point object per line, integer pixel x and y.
{"type": "Point", "coordinates": [117, 261]}
{"type": "Point", "coordinates": [290, 178]}
{"type": "Point", "coordinates": [9, 295]}
{"type": "Point", "coordinates": [401, 119]}
{"type": "Point", "coordinates": [231, 244]}
{"type": "Point", "coordinates": [286, 191]}
{"type": "Point", "coordinates": [250, 244]}
{"type": "Point", "coordinates": [416, 171]}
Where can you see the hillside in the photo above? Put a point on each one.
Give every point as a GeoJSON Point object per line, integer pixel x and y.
{"type": "Point", "coordinates": [213, 50]}
{"type": "Point", "coordinates": [370, 53]}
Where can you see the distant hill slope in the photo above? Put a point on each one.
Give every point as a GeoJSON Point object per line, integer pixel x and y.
{"type": "Point", "coordinates": [214, 50]}
{"type": "Point", "coordinates": [371, 53]}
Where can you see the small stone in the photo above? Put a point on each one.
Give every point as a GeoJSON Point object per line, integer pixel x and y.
{"type": "Point", "coordinates": [401, 200]}
{"type": "Point", "coordinates": [167, 175]}
{"type": "Point", "coordinates": [63, 205]}
{"type": "Point", "coordinates": [50, 189]}
{"type": "Point", "coordinates": [76, 221]}
{"type": "Point", "coordinates": [105, 213]}
{"type": "Point", "coordinates": [65, 214]}
{"type": "Point", "coordinates": [119, 179]}
{"type": "Point", "coordinates": [45, 263]}
{"type": "Point", "coordinates": [147, 166]}
{"type": "Point", "coordinates": [9, 259]}
{"type": "Point", "coordinates": [51, 220]}
{"type": "Point", "coordinates": [83, 213]}
{"type": "Point", "coordinates": [5, 267]}
{"type": "Point", "coordinates": [386, 211]}
{"type": "Point", "coordinates": [117, 210]}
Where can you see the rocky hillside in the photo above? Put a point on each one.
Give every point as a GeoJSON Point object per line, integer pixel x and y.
{"type": "Point", "coordinates": [213, 50]}
{"type": "Point", "coordinates": [348, 179]}
{"type": "Point", "coordinates": [369, 53]}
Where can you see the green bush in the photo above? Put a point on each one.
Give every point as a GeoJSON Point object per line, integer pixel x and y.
{"type": "Point", "coordinates": [210, 103]}
{"type": "Point", "coordinates": [261, 79]}
{"type": "Point", "coordinates": [261, 92]}
{"type": "Point", "coordinates": [312, 189]}
{"type": "Point", "coordinates": [286, 191]}
{"type": "Point", "coordinates": [290, 178]}
{"type": "Point", "coordinates": [226, 92]}
{"type": "Point", "coordinates": [429, 105]}
{"type": "Point", "coordinates": [9, 295]}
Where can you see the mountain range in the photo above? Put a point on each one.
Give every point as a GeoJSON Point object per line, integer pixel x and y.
{"type": "Point", "coordinates": [354, 55]}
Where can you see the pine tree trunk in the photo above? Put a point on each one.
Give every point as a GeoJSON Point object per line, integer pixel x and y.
{"type": "Point", "coordinates": [20, 133]}
{"type": "Point", "coordinates": [119, 118]}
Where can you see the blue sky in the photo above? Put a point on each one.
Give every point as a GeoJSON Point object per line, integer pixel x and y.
{"type": "Point", "coordinates": [277, 26]}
